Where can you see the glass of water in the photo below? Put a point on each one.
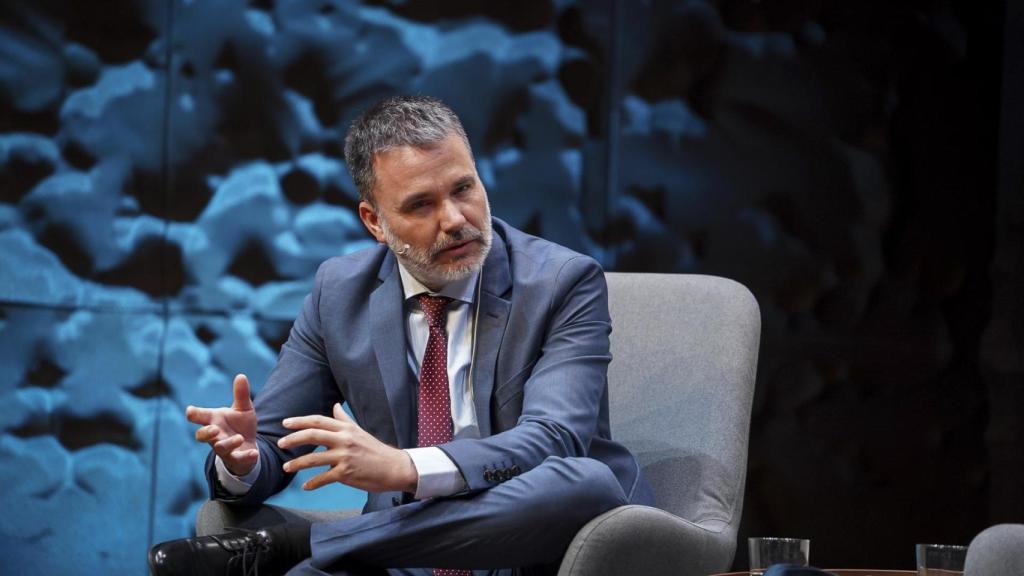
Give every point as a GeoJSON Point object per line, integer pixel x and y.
{"type": "Point", "coordinates": [940, 560]}
{"type": "Point", "coordinates": [765, 552]}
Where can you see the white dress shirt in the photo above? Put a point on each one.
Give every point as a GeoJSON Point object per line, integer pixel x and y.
{"type": "Point", "coordinates": [437, 474]}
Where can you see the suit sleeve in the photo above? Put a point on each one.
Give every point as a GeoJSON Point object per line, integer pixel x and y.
{"type": "Point", "coordinates": [301, 383]}
{"type": "Point", "coordinates": [562, 396]}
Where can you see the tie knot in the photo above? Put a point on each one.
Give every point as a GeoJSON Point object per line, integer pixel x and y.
{"type": "Point", "coordinates": [433, 307]}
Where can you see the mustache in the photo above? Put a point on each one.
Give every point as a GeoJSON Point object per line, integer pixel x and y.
{"type": "Point", "coordinates": [446, 241]}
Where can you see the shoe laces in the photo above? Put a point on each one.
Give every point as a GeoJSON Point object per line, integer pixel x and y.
{"type": "Point", "coordinates": [246, 561]}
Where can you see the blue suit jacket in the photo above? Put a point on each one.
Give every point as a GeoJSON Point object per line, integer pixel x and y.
{"type": "Point", "coordinates": [540, 375]}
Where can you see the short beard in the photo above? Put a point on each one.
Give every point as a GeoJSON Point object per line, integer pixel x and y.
{"type": "Point", "coordinates": [420, 262]}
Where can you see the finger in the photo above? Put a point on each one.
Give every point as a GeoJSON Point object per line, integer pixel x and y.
{"type": "Point", "coordinates": [341, 415]}
{"type": "Point", "coordinates": [241, 389]}
{"type": "Point", "coordinates": [313, 436]}
{"type": "Point", "coordinates": [228, 445]}
{"type": "Point", "coordinates": [197, 415]}
{"type": "Point", "coordinates": [209, 433]}
{"type": "Point", "coordinates": [311, 460]}
{"type": "Point", "coordinates": [244, 456]}
{"type": "Point", "coordinates": [321, 479]}
{"type": "Point", "coordinates": [314, 421]}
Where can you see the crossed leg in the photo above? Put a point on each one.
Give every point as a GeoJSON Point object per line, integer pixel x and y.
{"type": "Point", "coordinates": [526, 521]}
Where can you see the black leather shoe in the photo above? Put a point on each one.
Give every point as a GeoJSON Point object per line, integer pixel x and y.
{"type": "Point", "coordinates": [236, 553]}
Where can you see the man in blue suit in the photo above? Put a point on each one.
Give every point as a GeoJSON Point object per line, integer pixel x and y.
{"type": "Point", "coordinates": [474, 360]}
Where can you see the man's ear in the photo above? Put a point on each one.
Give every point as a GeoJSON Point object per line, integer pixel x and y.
{"type": "Point", "coordinates": [368, 215]}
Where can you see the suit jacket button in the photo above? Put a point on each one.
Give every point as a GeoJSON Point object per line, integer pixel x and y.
{"type": "Point", "coordinates": [488, 476]}
{"type": "Point", "coordinates": [395, 501]}
{"type": "Point", "coordinates": [515, 470]}
{"type": "Point", "coordinates": [506, 474]}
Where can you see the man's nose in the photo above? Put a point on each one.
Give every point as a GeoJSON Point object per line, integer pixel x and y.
{"type": "Point", "coordinates": [452, 218]}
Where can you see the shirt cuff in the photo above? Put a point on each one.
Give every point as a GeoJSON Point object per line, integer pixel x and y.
{"type": "Point", "coordinates": [438, 475]}
{"type": "Point", "coordinates": [236, 485]}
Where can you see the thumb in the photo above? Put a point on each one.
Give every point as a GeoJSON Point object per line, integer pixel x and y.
{"type": "Point", "coordinates": [241, 390]}
{"type": "Point", "coordinates": [340, 414]}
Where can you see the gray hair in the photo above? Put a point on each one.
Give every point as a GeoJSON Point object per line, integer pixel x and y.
{"type": "Point", "coordinates": [393, 122]}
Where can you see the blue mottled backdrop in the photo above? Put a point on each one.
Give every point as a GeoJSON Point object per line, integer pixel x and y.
{"type": "Point", "coordinates": [171, 176]}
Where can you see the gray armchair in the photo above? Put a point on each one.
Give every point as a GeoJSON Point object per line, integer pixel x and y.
{"type": "Point", "coordinates": [997, 551]}
{"type": "Point", "coordinates": [681, 385]}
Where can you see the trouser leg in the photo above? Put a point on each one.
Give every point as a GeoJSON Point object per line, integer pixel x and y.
{"type": "Point", "coordinates": [528, 520]}
{"type": "Point", "coordinates": [306, 569]}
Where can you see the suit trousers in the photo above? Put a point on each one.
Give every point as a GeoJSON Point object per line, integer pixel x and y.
{"type": "Point", "coordinates": [521, 526]}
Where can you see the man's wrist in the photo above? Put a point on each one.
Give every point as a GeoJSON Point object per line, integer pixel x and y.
{"type": "Point", "coordinates": [239, 473]}
{"type": "Point", "coordinates": [411, 477]}
{"type": "Point", "coordinates": [236, 485]}
{"type": "Point", "coordinates": [436, 474]}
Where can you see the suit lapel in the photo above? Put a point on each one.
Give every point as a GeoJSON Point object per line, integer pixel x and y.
{"type": "Point", "coordinates": [389, 347]}
{"type": "Point", "coordinates": [494, 308]}
{"type": "Point", "coordinates": [388, 325]}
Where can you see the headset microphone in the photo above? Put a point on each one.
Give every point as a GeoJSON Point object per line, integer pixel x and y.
{"type": "Point", "coordinates": [403, 250]}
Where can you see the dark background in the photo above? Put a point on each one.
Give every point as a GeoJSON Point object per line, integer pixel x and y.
{"type": "Point", "coordinates": [171, 175]}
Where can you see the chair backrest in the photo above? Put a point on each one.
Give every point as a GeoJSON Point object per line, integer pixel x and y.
{"type": "Point", "coordinates": [681, 385]}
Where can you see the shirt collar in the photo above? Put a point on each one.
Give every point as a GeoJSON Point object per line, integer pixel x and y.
{"type": "Point", "coordinates": [461, 290]}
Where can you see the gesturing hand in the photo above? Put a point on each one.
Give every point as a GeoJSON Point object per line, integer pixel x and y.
{"type": "Point", "coordinates": [231, 432]}
{"type": "Point", "coordinates": [355, 457]}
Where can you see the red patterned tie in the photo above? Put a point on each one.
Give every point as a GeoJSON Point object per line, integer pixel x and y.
{"type": "Point", "coordinates": [435, 407]}
{"type": "Point", "coordinates": [435, 412]}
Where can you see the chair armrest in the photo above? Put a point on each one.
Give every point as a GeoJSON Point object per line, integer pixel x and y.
{"type": "Point", "coordinates": [215, 516]}
{"type": "Point", "coordinates": [996, 551]}
{"type": "Point", "coordinates": [645, 540]}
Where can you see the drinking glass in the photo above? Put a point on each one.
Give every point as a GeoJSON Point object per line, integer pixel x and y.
{"type": "Point", "coordinates": [767, 551]}
{"type": "Point", "coordinates": [940, 560]}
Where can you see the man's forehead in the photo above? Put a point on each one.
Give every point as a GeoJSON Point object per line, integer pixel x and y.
{"type": "Point", "coordinates": [403, 166]}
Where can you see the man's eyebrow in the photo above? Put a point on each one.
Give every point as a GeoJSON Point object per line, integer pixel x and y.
{"type": "Point", "coordinates": [414, 198]}
{"type": "Point", "coordinates": [467, 179]}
